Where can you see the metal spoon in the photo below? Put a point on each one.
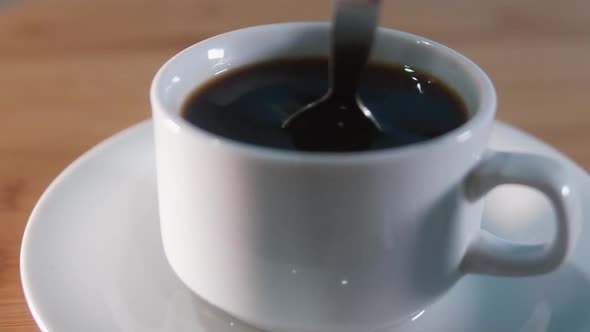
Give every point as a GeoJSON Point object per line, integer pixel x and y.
{"type": "Point", "coordinates": [339, 121]}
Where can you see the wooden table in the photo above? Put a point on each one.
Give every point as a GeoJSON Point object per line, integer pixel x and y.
{"type": "Point", "coordinates": [75, 72]}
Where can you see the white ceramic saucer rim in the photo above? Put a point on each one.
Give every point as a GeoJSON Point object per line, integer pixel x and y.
{"type": "Point", "coordinates": [39, 206]}
{"type": "Point", "coordinates": [36, 308]}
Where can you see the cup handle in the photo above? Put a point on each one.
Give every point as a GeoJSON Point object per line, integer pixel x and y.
{"type": "Point", "coordinates": [489, 254]}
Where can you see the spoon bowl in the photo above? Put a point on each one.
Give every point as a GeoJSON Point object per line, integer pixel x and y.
{"type": "Point", "coordinates": [333, 124]}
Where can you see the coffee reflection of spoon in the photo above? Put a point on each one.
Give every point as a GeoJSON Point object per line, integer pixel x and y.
{"type": "Point", "coordinates": [339, 121]}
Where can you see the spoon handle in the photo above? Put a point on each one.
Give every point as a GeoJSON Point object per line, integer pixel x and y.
{"type": "Point", "coordinates": [353, 30]}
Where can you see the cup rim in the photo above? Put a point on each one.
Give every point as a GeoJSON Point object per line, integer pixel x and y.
{"type": "Point", "coordinates": [483, 115]}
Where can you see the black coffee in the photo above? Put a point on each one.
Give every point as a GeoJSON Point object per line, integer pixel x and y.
{"type": "Point", "coordinates": [251, 103]}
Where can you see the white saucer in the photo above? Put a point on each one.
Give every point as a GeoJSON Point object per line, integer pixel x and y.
{"type": "Point", "coordinates": [92, 259]}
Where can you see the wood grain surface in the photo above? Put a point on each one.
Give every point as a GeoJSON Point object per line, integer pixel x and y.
{"type": "Point", "coordinates": [74, 72]}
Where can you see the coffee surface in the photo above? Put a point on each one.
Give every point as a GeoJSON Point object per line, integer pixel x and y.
{"type": "Point", "coordinates": [250, 104]}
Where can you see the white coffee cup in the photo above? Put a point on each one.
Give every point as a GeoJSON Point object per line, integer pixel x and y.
{"type": "Point", "coordinates": [338, 242]}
